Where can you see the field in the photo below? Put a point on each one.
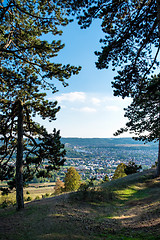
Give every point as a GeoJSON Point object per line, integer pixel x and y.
{"type": "Point", "coordinates": [124, 209]}
{"type": "Point", "coordinates": [32, 192]}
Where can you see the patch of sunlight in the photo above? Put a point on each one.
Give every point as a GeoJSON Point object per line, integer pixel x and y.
{"type": "Point", "coordinates": [140, 186]}
{"type": "Point", "coordinates": [50, 236]}
{"type": "Point", "coordinates": [126, 193]}
{"type": "Point", "coordinates": [102, 217]}
{"type": "Point", "coordinates": [124, 216]}
{"type": "Point", "coordinates": [109, 217]}
{"type": "Point", "coordinates": [59, 236]}
{"type": "Point", "coordinates": [56, 215]}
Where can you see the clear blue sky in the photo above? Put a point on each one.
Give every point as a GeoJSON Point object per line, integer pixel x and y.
{"type": "Point", "coordinates": [88, 107]}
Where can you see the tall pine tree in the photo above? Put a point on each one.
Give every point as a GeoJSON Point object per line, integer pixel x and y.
{"type": "Point", "coordinates": [132, 46]}
{"type": "Point", "coordinates": [27, 72]}
{"type": "Point", "coordinates": [144, 115]}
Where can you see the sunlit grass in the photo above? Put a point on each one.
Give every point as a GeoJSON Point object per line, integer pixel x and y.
{"type": "Point", "coordinates": [125, 194]}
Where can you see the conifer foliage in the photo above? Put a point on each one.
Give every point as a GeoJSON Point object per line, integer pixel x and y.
{"type": "Point", "coordinates": [131, 41]}
{"type": "Point", "coordinates": [132, 46]}
{"type": "Point", "coordinates": [144, 114]}
{"type": "Point", "coordinates": [27, 72]}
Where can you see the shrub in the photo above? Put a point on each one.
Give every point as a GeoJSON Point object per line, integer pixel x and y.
{"type": "Point", "coordinates": [28, 199]}
{"type": "Point", "coordinates": [94, 194]}
{"type": "Point", "coordinates": [37, 198]}
{"type": "Point", "coordinates": [132, 168]}
{"type": "Point", "coordinates": [4, 204]}
{"type": "Point", "coordinates": [85, 186]}
{"type": "Point", "coordinates": [106, 178]}
{"type": "Point", "coordinates": [46, 195]}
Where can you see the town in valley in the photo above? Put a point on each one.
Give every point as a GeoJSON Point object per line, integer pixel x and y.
{"type": "Point", "coordinates": [96, 157]}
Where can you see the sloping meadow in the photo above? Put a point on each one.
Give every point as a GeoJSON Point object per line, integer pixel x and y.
{"type": "Point", "coordinates": [126, 208]}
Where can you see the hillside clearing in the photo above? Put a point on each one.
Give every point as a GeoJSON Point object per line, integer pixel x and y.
{"type": "Point", "coordinates": [131, 211]}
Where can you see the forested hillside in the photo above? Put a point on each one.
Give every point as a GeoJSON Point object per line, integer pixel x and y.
{"type": "Point", "coordinates": [106, 142]}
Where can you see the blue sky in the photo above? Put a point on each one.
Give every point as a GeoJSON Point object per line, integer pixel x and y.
{"type": "Point", "coordinates": [88, 107]}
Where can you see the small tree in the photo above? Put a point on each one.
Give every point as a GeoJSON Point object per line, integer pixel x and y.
{"type": "Point", "coordinates": [131, 168]}
{"type": "Point", "coordinates": [59, 186]}
{"type": "Point", "coordinates": [120, 171]}
{"type": "Point", "coordinates": [72, 180]}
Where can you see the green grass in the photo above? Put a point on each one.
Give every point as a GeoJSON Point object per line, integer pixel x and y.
{"type": "Point", "coordinates": [116, 236]}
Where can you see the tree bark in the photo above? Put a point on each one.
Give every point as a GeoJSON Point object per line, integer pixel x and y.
{"type": "Point", "coordinates": [158, 19]}
{"type": "Point", "coordinates": [19, 159]}
{"type": "Point", "coordinates": [158, 164]}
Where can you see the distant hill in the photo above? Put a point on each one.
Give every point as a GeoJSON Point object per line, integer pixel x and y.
{"type": "Point", "coordinates": [107, 142]}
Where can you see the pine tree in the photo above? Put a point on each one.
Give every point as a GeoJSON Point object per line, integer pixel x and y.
{"type": "Point", "coordinates": [132, 38]}
{"type": "Point", "coordinates": [144, 115]}
{"type": "Point", "coordinates": [131, 45]}
{"type": "Point", "coordinates": [27, 72]}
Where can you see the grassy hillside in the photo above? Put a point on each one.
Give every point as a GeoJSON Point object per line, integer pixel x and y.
{"type": "Point", "coordinates": [127, 209]}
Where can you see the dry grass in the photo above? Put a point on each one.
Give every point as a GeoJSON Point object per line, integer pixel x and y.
{"type": "Point", "coordinates": [133, 215]}
{"type": "Point", "coordinates": [33, 191]}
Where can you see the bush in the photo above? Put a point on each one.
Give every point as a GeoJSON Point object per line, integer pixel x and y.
{"type": "Point", "coordinates": [4, 204]}
{"type": "Point", "coordinates": [85, 186]}
{"type": "Point", "coordinates": [106, 178]}
{"type": "Point", "coordinates": [28, 199]}
{"type": "Point", "coordinates": [37, 198]}
{"type": "Point", "coordinates": [132, 168]}
{"type": "Point", "coordinates": [94, 194]}
{"type": "Point", "coordinates": [46, 195]}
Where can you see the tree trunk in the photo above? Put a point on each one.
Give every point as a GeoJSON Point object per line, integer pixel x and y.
{"type": "Point", "coordinates": [19, 159]}
{"type": "Point", "coordinates": [158, 164]}
{"type": "Point", "coordinates": [158, 19]}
